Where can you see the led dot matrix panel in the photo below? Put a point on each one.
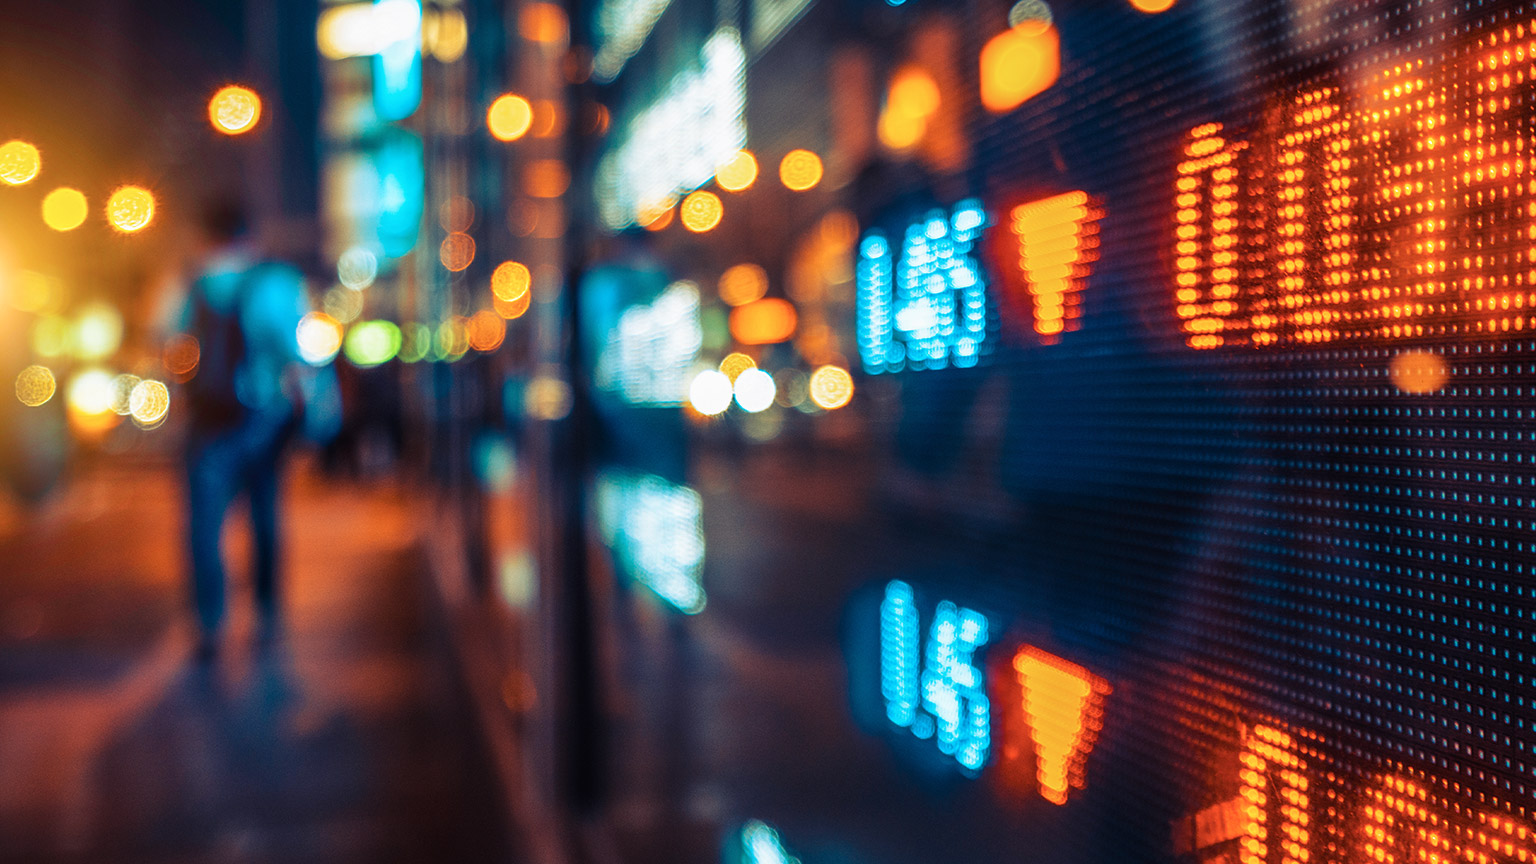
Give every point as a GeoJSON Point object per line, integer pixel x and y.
{"type": "Point", "coordinates": [1279, 484]}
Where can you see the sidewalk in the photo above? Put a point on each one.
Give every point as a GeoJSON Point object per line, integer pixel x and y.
{"type": "Point", "coordinates": [348, 741]}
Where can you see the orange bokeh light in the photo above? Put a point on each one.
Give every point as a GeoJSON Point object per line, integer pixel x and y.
{"type": "Point", "coordinates": [742, 284]}
{"type": "Point", "coordinates": [831, 387]}
{"type": "Point", "coordinates": [1419, 372]}
{"type": "Point", "coordinates": [457, 251]}
{"type": "Point", "coordinates": [234, 110]}
{"type": "Point", "coordinates": [545, 23]}
{"type": "Point", "coordinates": [514, 308]}
{"type": "Point", "coordinates": [763, 322]}
{"type": "Point", "coordinates": [546, 178]}
{"type": "Point", "coordinates": [736, 363]}
{"type": "Point", "coordinates": [1019, 64]}
{"type": "Point", "coordinates": [800, 170]}
{"type": "Point", "coordinates": [486, 331]}
{"type": "Point", "coordinates": [701, 211]}
{"type": "Point", "coordinates": [511, 280]}
{"type": "Point", "coordinates": [1153, 6]}
{"type": "Point", "coordinates": [131, 209]}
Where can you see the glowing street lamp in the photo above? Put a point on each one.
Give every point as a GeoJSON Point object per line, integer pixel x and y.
{"type": "Point", "coordinates": [234, 110]}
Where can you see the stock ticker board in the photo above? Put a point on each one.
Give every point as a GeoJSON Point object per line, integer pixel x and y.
{"type": "Point", "coordinates": [1257, 284]}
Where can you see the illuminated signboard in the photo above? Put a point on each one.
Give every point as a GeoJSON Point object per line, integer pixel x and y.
{"type": "Point", "coordinates": [397, 65]}
{"type": "Point", "coordinates": [675, 144]}
{"type": "Point", "coordinates": [922, 298]}
{"type": "Point", "coordinates": [1389, 206]}
{"type": "Point", "coordinates": [648, 358]}
{"type": "Point", "coordinates": [656, 531]}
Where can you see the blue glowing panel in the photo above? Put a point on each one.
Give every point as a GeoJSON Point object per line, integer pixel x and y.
{"type": "Point", "coordinates": [648, 357]}
{"type": "Point", "coordinates": [760, 844]}
{"type": "Point", "coordinates": [656, 531]}
{"type": "Point", "coordinates": [946, 699]}
{"type": "Point", "coordinates": [401, 192]}
{"type": "Point", "coordinates": [922, 301]}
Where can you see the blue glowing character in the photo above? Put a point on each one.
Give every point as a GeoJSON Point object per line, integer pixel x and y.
{"type": "Point", "coordinates": [924, 305]}
{"type": "Point", "coordinates": [946, 700]}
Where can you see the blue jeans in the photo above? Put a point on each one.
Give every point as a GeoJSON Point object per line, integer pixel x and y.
{"type": "Point", "coordinates": [220, 466]}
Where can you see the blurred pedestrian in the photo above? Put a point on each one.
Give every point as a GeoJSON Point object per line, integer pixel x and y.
{"type": "Point", "coordinates": [246, 397]}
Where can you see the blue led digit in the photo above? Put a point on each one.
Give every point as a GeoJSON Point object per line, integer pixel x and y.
{"type": "Point", "coordinates": [926, 309]}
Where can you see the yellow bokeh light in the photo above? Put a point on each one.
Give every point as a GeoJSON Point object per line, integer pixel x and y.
{"type": "Point", "coordinates": [234, 110]}
{"type": "Point", "coordinates": [149, 402]}
{"type": "Point", "coordinates": [65, 209]}
{"type": "Point", "coordinates": [1153, 6]}
{"type": "Point", "coordinates": [701, 211]}
{"type": "Point", "coordinates": [738, 172]}
{"type": "Point", "coordinates": [900, 131]}
{"type": "Point", "coordinates": [457, 251]}
{"type": "Point", "coordinates": [449, 35]}
{"type": "Point", "coordinates": [913, 93]}
{"type": "Point", "coordinates": [511, 280]}
{"type": "Point", "coordinates": [509, 117]}
{"type": "Point", "coordinates": [131, 209]}
{"type": "Point", "coordinates": [1018, 64]}
{"type": "Point", "coordinates": [736, 363]}
{"type": "Point", "coordinates": [35, 386]}
{"type": "Point", "coordinates": [19, 163]}
{"type": "Point", "coordinates": [800, 170]}
{"type": "Point", "coordinates": [743, 284]}
{"type": "Point", "coordinates": [831, 387]}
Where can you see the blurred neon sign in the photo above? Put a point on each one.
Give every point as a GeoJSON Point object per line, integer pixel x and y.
{"type": "Point", "coordinates": [675, 144]}
{"type": "Point", "coordinates": [397, 65]}
{"type": "Point", "coordinates": [1394, 209]}
{"type": "Point", "coordinates": [649, 356]}
{"type": "Point", "coordinates": [922, 301]}
{"type": "Point", "coordinates": [1288, 809]}
{"type": "Point", "coordinates": [940, 693]}
{"type": "Point", "coordinates": [656, 531]}
{"type": "Point", "coordinates": [1054, 243]}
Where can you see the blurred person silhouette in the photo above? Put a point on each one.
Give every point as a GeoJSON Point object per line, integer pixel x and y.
{"type": "Point", "coordinates": [250, 392]}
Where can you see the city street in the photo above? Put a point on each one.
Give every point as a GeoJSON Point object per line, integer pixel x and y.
{"type": "Point", "coordinates": [346, 740]}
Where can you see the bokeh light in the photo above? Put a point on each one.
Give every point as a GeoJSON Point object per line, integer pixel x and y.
{"type": "Point", "coordinates": [742, 284]}
{"type": "Point", "coordinates": [545, 23]}
{"type": "Point", "coordinates": [486, 330]}
{"type": "Point", "coordinates": [122, 393]}
{"type": "Point", "coordinates": [34, 292]}
{"type": "Point", "coordinates": [452, 339]}
{"type": "Point", "coordinates": [764, 322]}
{"type": "Point", "coordinates": [449, 36]}
{"type": "Point", "coordinates": [656, 219]}
{"type": "Point", "coordinates": [514, 308]}
{"type": "Point", "coordinates": [98, 332]}
{"type": "Point", "coordinates": [19, 163]}
{"type": "Point", "coordinates": [319, 337]}
{"type": "Point", "coordinates": [831, 387]}
{"type": "Point", "coordinates": [547, 397]}
{"type": "Point", "coordinates": [90, 392]}
{"type": "Point", "coordinates": [754, 390]}
{"type": "Point", "coordinates": [53, 336]}
{"type": "Point", "coordinates": [509, 117]}
{"type": "Point", "coordinates": [415, 342]}
{"type": "Point", "coordinates": [65, 209]}
{"type": "Point", "coordinates": [1019, 63]}
{"type": "Point", "coordinates": [149, 403]}
{"type": "Point", "coordinates": [234, 110]}
{"type": "Point", "coordinates": [131, 209]}
{"type": "Point", "coordinates": [343, 304]}
{"type": "Point", "coordinates": [911, 100]}
{"type": "Point", "coordinates": [734, 364]}
{"type": "Point", "coordinates": [370, 343]}
{"type": "Point", "coordinates": [1419, 372]}
{"type": "Point", "coordinates": [35, 386]}
{"type": "Point", "coordinates": [1152, 6]}
{"type": "Point", "coordinates": [546, 178]}
{"type": "Point", "coordinates": [737, 173]}
{"type": "Point", "coordinates": [357, 268]}
{"type": "Point", "coordinates": [511, 280]}
{"type": "Point", "coordinates": [800, 170]}
{"type": "Point", "coordinates": [456, 213]}
{"type": "Point", "coordinates": [701, 211]}
{"type": "Point", "coordinates": [180, 356]}
{"type": "Point", "coordinates": [791, 385]}
{"type": "Point", "coordinates": [457, 251]}
{"type": "Point", "coordinates": [710, 393]}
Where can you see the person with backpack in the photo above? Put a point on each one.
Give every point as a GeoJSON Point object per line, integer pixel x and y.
{"type": "Point", "coordinates": [244, 400]}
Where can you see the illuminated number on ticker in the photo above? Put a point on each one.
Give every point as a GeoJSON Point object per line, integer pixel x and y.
{"type": "Point", "coordinates": [1206, 239]}
{"type": "Point", "coordinates": [922, 303]}
{"type": "Point", "coordinates": [946, 700]}
{"type": "Point", "coordinates": [1276, 799]}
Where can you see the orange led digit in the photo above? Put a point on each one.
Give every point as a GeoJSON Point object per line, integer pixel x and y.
{"type": "Point", "coordinates": [1064, 704]}
{"type": "Point", "coordinates": [1057, 241]}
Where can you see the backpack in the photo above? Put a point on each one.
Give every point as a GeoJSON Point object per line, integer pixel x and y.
{"type": "Point", "coordinates": [211, 393]}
